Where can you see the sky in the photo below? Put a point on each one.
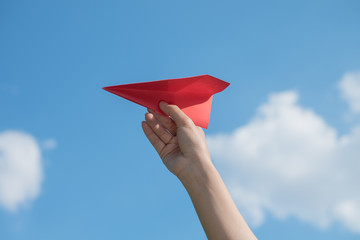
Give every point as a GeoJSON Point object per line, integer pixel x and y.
{"type": "Point", "coordinates": [285, 135]}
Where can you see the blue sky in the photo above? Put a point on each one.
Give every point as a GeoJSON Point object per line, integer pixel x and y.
{"type": "Point", "coordinates": [98, 177]}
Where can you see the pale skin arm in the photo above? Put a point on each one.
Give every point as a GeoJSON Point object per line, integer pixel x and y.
{"type": "Point", "coordinates": [182, 147]}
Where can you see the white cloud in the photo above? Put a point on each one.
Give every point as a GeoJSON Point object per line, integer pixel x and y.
{"type": "Point", "coordinates": [289, 162]}
{"type": "Point", "coordinates": [350, 90]}
{"type": "Point", "coordinates": [20, 169]}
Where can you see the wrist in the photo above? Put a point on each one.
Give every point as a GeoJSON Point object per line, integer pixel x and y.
{"type": "Point", "coordinates": [199, 173]}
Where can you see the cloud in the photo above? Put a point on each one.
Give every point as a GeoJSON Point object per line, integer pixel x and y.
{"type": "Point", "coordinates": [289, 162]}
{"type": "Point", "coordinates": [350, 90]}
{"type": "Point", "coordinates": [21, 170]}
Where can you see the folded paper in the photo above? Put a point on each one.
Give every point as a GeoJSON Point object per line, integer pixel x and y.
{"type": "Point", "coordinates": [193, 95]}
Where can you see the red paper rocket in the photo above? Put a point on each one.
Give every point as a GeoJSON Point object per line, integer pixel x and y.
{"type": "Point", "coordinates": [193, 95]}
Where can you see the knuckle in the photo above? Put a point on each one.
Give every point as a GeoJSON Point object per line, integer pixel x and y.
{"type": "Point", "coordinates": [188, 122]}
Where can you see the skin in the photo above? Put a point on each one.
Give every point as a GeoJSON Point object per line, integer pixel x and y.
{"type": "Point", "coordinates": [182, 147]}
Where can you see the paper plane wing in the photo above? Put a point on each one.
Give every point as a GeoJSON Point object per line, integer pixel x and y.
{"type": "Point", "coordinates": [193, 95]}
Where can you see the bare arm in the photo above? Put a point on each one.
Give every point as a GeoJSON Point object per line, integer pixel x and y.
{"type": "Point", "coordinates": [182, 148]}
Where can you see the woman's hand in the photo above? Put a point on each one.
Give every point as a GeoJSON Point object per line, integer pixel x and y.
{"type": "Point", "coordinates": [180, 144]}
{"type": "Point", "coordinates": [182, 148]}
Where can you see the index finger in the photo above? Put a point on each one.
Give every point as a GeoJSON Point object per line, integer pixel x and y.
{"type": "Point", "coordinates": [166, 121]}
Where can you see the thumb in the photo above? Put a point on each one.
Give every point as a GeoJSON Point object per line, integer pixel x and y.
{"type": "Point", "coordinates": [179, 117]}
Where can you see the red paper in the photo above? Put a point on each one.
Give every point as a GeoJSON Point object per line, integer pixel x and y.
{"type": "Point", "coordinates": [193, 95]}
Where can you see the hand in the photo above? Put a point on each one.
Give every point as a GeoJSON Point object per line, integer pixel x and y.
{"type": "Point", "coordinates": [180, 144]}
{"type": "Point", "coordinates": [182, 148]}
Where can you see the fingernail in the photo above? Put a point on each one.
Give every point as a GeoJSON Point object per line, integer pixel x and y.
{"type": "Point", "coordinates": [163, 104]}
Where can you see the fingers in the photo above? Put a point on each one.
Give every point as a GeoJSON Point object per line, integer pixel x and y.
{"type": "Point", "coordinates": [153, 138]}
{"type": "Point", "coordinates": [175, 113]}
{"type": "Point", "coordinates": [157, 128]}
{"type": "Point", "coordinates": [166, 121]}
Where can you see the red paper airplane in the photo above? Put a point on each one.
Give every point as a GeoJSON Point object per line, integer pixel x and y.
{"type": "Point", "coordinates": [193, 95]}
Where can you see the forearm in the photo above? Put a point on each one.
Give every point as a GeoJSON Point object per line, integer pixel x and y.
{"type": "Point", "coordinates": [217, 211]}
